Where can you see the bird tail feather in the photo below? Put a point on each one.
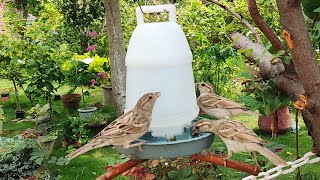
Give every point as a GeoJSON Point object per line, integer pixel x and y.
{"type": "Point", "coordinates": [273, 157]}
{"type": "Point", "coordinates": [252, 113]}
{"type": "Point", "coordinates": [88, 147]}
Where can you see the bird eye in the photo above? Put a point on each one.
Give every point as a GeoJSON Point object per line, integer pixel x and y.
{"type": "Point", "coordinates": [202, 84]}
{"type": "Point", "coordinates": [197, 127]}
{"type": "Point", "coordinates": [150, 97]}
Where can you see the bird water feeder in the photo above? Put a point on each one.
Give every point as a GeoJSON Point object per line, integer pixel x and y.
{"type": "Point", "coordinates": [159, 59]}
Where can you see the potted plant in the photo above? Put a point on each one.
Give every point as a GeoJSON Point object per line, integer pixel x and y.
{"type": "Point", "coordinates": [272, 104]}
{"type": "Point", "coordinates": [39, 115]}
{"type": "Point", "coordinates": [73, 131]}
{"type": "Point", "coordinates": [106, 88]}
{"type": "Point", "coordinates": [11, 65]}
{"type": "Point", "coordinates": [101, 67]}
{"type": "Point", "coordinates": [71, 101]}
{"type": "Point", "coordinates": [78, 75]}
{"type": "Point", "coordinates": [97, 121]}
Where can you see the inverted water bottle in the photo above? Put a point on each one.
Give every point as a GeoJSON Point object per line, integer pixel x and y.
{"type": "Point", "coordinates": [159, 59]}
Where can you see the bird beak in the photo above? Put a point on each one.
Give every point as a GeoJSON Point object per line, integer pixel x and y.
{"type": "Point", "coordinates": [196, 85]}
{"type": "Point", "coordinates": [194, 132]}
{"type": "Point", "coordinates": [157, 94]}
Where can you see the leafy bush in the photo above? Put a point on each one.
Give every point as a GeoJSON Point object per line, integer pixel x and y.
{"type": "Point", "coordinates": [81, 17]}
{"type": "Point", "coordinates": [15, 157]}
{"type": "Point", "coordinates": [97, 118]}
{"type": "Point", "coordinates": [73, 129]}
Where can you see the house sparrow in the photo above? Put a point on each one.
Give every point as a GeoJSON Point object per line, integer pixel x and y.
{"type": "Point", "coordinates": [218, 106]}
{"type": "Point", "coordinates": [125, 129]}
{"type": "Point", "coordinates": [237, 137]}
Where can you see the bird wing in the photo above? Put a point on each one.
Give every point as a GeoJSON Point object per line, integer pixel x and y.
{"type": "Point", "coordinates": [237, 131]}
{"type": "Point", "coordinates": [127, 124]}
{"type": "Point", "coordinates": [210, 100]}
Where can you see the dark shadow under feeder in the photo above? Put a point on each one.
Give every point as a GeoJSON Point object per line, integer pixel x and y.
{"type": "Point", "coordinates": [161, 148]}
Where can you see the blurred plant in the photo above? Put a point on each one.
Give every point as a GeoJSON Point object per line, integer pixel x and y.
{"type": "Point", "coordinates": [104, 78]}
{"type": "Point", "coordinates": [11, 63]}
{"type": "Point", "coordinates": [21, 157]}
{"type": "Point", "coordinates": [83, 22]}
{"type": "Point", "coordinates": [38, 114]}
{"type": "Point", "coordinates": [98, 119]}
{"type": "Point", "coordinates": [73, 130]}
{"type": "Point", "coordinates": [2, 117]}
{"type": "Point", "coordinates": [34, 55]}
{"type": "Point", "coordinates": [77, 75]}
{"type": "Point", "coordinates": [178, 168]}
{"type": "Point", "coordinates": [262, 95]}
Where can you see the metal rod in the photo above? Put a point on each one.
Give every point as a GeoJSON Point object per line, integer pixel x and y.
{"type": "Point", "coordinates": [120, 169]}
{"type": "Point", "coordinates": [251, 169]}
{"type": "Point", "coordinates": [297, 144]}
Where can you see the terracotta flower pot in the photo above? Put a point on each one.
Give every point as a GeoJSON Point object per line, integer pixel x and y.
{"type": "Point", "coordinates": [284, 121]}
{"type": "Point", "coordinates": [71, 101]}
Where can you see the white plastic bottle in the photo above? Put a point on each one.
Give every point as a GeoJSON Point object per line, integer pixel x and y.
{"type": "Point", "coordinates": [159, 59]}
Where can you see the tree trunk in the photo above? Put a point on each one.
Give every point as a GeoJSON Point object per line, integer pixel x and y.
{"type": "Point", "coordinates": [304, 58]}
{"type": "Point", "coordinates": [117, 53]}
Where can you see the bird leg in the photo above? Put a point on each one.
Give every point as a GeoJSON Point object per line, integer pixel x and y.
{"type": "Point", "coordinates": [134, 145]}
{"type": "Point", "coordinates": [254, 157]}
{"type": "Point", "coordinates": [224, 158]}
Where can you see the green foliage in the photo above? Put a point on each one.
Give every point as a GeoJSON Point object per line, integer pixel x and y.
{"type": "Point", "coordinates": [1, 116]}
{"type": "Point", "coordinates": [81, 17]}
{"type": "Point", "coordinates": [178, 168]}
{"type": "Point", "coordinates": [96, 66]}
{"type": "Point", "coordinates": [39, 52]}
{"type": "Point", "coordinates": [98, 118]}
{"type": "Point", "coordinates": [37, 114]}
{"type": "Point", "coordinates": [207, 28]}
{"type": "Point", "coordinates": [73, 129]}
{"type": "Point", "coordinates": [310, 8]}
{"type": "Point", "coordinates": [315, 35]}
{"type": "Point", "coordinates": [44, 54]}
{"type": "Point", "coordinates": [78, 75]}
{"type": "Point", "coordinates": [264, 97]}
{"type": "Point", "coordinates": [15, 157]}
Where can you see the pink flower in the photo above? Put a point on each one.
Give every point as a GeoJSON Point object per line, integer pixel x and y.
{"type": "Point", "coordinates": [93, 82]}
{"type": "Point", "coordinates": [93, 34]}
{"type": "Point", "coordinates": [103, 75]}
{"type": "Point", "coordinates": [91, 48]}
{"type": "Point", "coordinates": [5, 99]}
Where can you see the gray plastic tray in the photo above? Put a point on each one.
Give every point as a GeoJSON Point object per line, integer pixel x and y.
{"type": "Point", "coordinates": [161, 148]}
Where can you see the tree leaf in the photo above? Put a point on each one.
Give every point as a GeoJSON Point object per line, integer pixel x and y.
{"type": "Point", "coordinates": [186, 172]}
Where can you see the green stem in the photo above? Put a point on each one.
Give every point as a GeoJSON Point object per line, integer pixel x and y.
{"type": "Point", "coordinates": [16, 95]}
{"type": "Point", "coordinates": [84, 103]}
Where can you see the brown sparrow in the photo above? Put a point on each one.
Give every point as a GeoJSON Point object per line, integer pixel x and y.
{"type": "Point", "coordinates": [125, 129]}
{"type": "Point", "coordinates": [218, 106]}
{"type": "Point", "coordinates": [237, 137]}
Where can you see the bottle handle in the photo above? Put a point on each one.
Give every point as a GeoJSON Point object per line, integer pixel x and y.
{"type": "Point", "coordinates": [170, 8]}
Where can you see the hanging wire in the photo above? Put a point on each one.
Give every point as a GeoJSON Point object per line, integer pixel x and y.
{"type": "Point", "coordinates": [145, 3]}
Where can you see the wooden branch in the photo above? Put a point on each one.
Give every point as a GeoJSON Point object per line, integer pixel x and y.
{"type": "Point", "coordinates": [254, 170]}
{"type": "Point", "coordinates": [243, 21]}
{"type": "Point", "coordinates": [260, 55]}
{"type": "Point", "coordinates": [305, 61]}
{"type": "Point", "coordinates": [267, 31]}
{"type": "Point", "coordinates": [263, 26]}
{"type": "Point", "coordinates": [120, 169]}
